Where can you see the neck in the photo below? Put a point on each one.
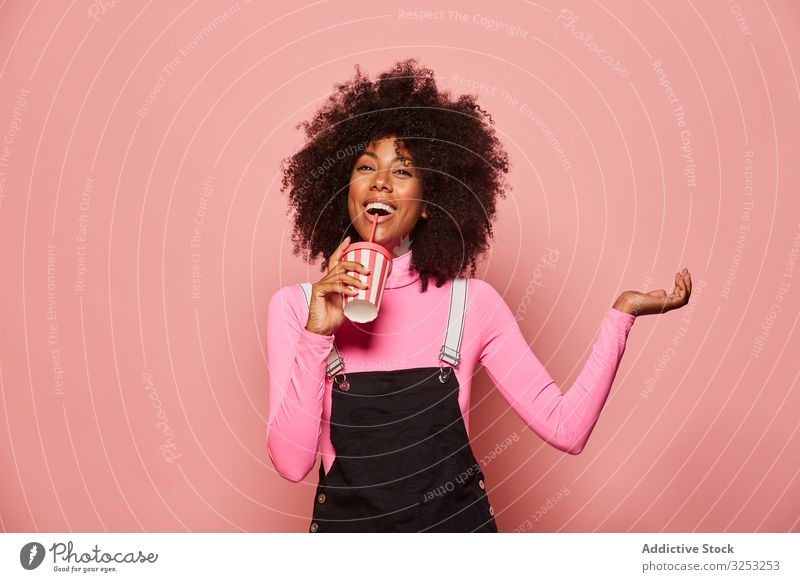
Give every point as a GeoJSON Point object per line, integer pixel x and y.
{"type": "Point", "coordinates": [401, 275]}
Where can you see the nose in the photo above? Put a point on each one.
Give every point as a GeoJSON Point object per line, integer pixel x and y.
{"type": "Point", "coordinates": [382, 180]}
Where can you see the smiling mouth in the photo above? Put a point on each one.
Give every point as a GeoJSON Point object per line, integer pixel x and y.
{"type": "Point", "coordinates": [379, 212]}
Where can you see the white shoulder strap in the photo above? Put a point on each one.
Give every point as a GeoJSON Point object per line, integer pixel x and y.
{"type": "Point", "coordinates": [455, 323]}
{"type": "Point", "coordinates": [335, 360]}
{"type": "Point", "coordinates": [455, 326]}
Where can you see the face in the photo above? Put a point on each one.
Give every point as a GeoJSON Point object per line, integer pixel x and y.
{"type": "Point", "coordinates": [387, 184]}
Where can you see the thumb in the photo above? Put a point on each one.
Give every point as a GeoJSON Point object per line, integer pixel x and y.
{"type": "Point", "coordinates": [340, 249]}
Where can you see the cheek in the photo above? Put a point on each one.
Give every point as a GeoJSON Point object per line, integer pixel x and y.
{"type": "Point", "coordinates": [413, 207]}
{"type": "Point", "coordinates": [413, 198]}
{"type": "Point", "coordinates": [351, 207]}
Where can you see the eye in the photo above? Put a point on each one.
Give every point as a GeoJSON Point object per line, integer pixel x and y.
{"type": "Point", "coordinates": [405, 172]}
{"type": "Point", "coordinates": [361, 167]}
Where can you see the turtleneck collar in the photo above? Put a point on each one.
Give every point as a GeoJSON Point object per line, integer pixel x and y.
{"type": "Point", "coordinates": [401, 274]}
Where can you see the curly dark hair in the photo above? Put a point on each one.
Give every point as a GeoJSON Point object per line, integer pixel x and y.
{"type": "Point", "coordinates": [460, 161]}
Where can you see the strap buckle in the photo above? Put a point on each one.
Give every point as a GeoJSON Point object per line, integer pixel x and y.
{"type": "Point", "coordinates": [334, 367]}
{"type": "Point", "coordinates": [444, 373]}
{"type": "Point", "coordinates": [449, 355]}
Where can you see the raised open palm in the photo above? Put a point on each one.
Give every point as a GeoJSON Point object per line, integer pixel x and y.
{"type": "Point", "coordinates": [657, 301]}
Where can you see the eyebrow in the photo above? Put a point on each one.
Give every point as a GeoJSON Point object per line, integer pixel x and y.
{"type": "Point", "coordinates": [401, 158]}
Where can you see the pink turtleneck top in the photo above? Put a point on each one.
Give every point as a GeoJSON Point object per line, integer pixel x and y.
{"type": "Point", "coordinates": [408, 333]}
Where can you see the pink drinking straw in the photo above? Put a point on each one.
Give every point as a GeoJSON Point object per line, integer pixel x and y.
{"type": "Point", "coordinates": [374, 227]}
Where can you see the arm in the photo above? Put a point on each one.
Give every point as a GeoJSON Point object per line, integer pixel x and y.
{"type": "Point", "coordinates": [563, 420]}
{"type": "Point", "coordinates": [297, 359]}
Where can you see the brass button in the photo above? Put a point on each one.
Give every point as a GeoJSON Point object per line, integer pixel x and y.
{"type": "Point", "coordinates": [314, 526]}
{"type": "Point", "coordinates": [491, 510]}
{"type": "Point", "coordinates": [481, 484]}
{"type": "Point", "coordinates": [321, 498]}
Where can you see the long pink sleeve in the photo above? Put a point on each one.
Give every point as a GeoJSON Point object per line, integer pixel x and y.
{"type": "Point", "coordinates": [297, 360]}
{"type": "Point", "coordinates": [564, 420]}
{"type": "Point", "coordinates": [300, 394]}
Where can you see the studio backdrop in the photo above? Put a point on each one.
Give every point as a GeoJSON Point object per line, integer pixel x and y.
{"type": "Point", "coordinates": [144, 231]}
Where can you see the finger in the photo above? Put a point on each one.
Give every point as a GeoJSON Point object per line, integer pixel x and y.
{"type": "Point", "coordinates": [677, 297]}
{"type": "Point", "coordinates": [341, 274]}
{"type": "Point", "coordinates": [672, 294]}
{"type": "Point", "coordinates": [688, 279]}
{"type": "Point", "coordinates": [674, 289]}
{"type": "Point", "coordinates": [678, 280]}
{"type": "Point", "coordinates": [337, 287]}
{"type": "Point", "coordinates": [350, 280]}
{"type": "Point", "coordinates": [353, 266]}
{"type": "Point", "coordinates": [684, 278]}
{"type": "Point", "coordinates": [673, 300]}
{"type": "Point", "coordinates": [342, 287]}
{"type": "Point", "coordinates": [338, 253]}
{"type": "Point", "coordinates": [686, 288]}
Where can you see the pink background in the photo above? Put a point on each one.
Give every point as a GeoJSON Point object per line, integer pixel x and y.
{"type": "Point", "coordinates": [103, 339]}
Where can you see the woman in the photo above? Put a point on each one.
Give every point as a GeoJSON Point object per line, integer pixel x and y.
{"type": "Point", "coordinates": [386, 403]}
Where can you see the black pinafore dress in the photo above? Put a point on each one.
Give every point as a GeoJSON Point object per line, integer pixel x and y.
{"type": "Point", "coordinates": [403, 458]}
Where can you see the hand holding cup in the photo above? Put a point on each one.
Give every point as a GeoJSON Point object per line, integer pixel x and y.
{"type": "Point", "coordinates": [326, 310]}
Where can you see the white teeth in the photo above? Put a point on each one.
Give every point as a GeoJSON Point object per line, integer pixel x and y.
{"type": "Point", "coordinates": [380, 205]}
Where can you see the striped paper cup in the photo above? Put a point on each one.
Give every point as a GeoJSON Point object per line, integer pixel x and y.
{"type": "Point", "coordinates": [364, 307]}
